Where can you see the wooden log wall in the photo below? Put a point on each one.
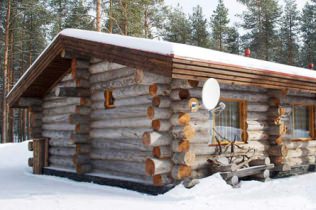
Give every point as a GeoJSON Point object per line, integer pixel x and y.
{"type": "Point", "coordinates": [130, 141]}
{"type": "Point", "coordinates": [66, 120]}
{"type": "Point", "coordinates": [285, 153]}
{"type": "Point", "coordinates": [191, 130]}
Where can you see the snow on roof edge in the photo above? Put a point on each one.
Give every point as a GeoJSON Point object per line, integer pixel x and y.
{"type": "Point", "coordinates": [176, 49]}
{"type": "Point", "coordinates": [188, 52]}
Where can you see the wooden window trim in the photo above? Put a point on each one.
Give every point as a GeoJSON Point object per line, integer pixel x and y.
{"type": "Point", "coordinates": [311, 111]}
{"type": "Point", "coordinates": [243, 121]}
{"type": "Point", "coordinates": [109, 100]}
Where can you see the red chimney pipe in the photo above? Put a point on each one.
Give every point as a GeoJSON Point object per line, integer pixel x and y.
{"type": "Point", "coordinates": [247, 52]}
{"type": "Point", "coordinates": [311, 66]}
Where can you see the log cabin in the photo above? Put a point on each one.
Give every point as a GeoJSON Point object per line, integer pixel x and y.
{"type": "Point", "coordinates": [118, 110]}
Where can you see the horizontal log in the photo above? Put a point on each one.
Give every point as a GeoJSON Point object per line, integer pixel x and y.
{"type": "Point", "coordinates": [111, 75]}
{"type": "Point", "coordinates": [120, 165]}
{"type": "Point", "coordinates": [118, 133]}
{"type": "Point", "coordinates": [257, 107]}
{"type": "Point", "coordinates": [57, 134]}
{"type": "Point", "coordinates": [80, 83]}
{"type": "Point", "coordinates": [162, 180]}
{"type": "Point", "coordinates": [158, 113]}
{"type": "Point", "coordinates": [180, 119]}
{"type": "Point", "coordinates": [301, 152]}
{"type": "Point", "coordinates": [300, 144]}
{"type": "Point", "coordinates": [83, 148]}
{"type": "Point", "coordinates": [104, 66]}
{"type": "Point", "coordinates": [79, 138]}
{"type": "Point", "coordinates": [161, 125]}
{"type": "Point", "coordinates": [62, 151]}
{"type": "Point", "coordinates": [258, 136]}
{"type": "Point", "coordinates": [156, 139]}
{"type": "Point", "coordinates": [162, 152]}
{"type": "Point", "coordinates": [263, 161]}
{"type": "Point", "coordinates": [67, 110]}
{"type": "Point", "coordinates": [179, 94]}
{"type": "Point", "coordinates": [180, 172]}
{"type": "Point", "coordinates": [147, 78]}
{"type": "Point", "coordinates": [61, 161]}
{"type": "Point", "coordinates": [241, 88]}
{"type": "Point", "coordinates": [126, 102]}
{"type": "Point", "coordinates": [161, 101]}
{"type": "Point", "coordinates": [279, 150]}
{"type": "Point", "coordinates": [66, 101]}
{"type": "Point", "coordinates": [81, 159]}
{"type": "Point", "coordinates": [197, 93]}
{"type": "Point", "coordinates": [28, 102]}
{"type": "Point", "coordinates": [185, 84]}
{"type": "Point", "coordinates": [257, 125]}
{"type": "Point", "coordinates": [144, 179]}
{"type": "Point", "coordinates": [124, 81]}
{"type": "Point", "coordinates": [257, 116]}
{"type": "Point", "coordinates": [139, 122]}
{"type": "Point", "coordinates": [55, 142]}
{"type": "Point", "coordinates": [298, 161]}
{"type": "Point", "coordinates": [127, 155]}
{"type": "Point", "coordinates": [201, 161]}
{"type": "Point", "coordinates": [83, 168]}
{"type": "Point", "coordinates": [156, 166]}
{"type": "Point", "coordinates": [186, 132]}
{"type": "Point", "coordinates": [184, 158]}
{"type": "Point", "coordinates": [261, 176]}
{"type": "Point", "coordinates": [120, 112]}
{"type": "Point", "coordinates": [127, 144]}
{"type": "Point", "coordinates": [72, 92]}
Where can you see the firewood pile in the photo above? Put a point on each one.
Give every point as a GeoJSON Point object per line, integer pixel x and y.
{"type": "Point", "coordinates": [234, 161]}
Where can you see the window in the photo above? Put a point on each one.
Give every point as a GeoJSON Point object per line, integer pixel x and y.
{"type": "Point", "coordinates": [109, 100]}
{"type": "Point", "coordinates": [301, 122]}
{"type": "Point", "coordinates": [230, 124]}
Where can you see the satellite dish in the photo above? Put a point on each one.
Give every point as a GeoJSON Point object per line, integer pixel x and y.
{"type": "Point", "coordinates": [210, 93]}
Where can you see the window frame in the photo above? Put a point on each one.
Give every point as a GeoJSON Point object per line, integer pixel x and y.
{"type": "Point", "coordinates": [311, 120]}
{"type": "Point", "coordinates": [242, 121]}
{"type": "Point", "coordinates": [109, 100]}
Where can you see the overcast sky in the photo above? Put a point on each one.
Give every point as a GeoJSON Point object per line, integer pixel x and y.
{"type": "Point", "coordinates": [209, 5]}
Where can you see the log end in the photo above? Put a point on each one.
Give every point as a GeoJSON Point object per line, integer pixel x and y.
{"type": "Point", "coordinates": [181, 146]}
{"type": "Point", "coordinates": [189, 132]}
{"type": "Point", "coordinates": [150, 112]}
{"type": "Point", "coordinates": [156, 101]}
{"type": "Point", "coordinates": [184, 118]}
{"type": "Point", "coordinates": [150, 167]}
{"type": "Point", "coordinates": [155, 124]}
{"type": "Point", "coordinates": [30, 162]}
{"type": "Point", "coordinates": [193, 83]}
{"type": "Point", "coordinates": [184, 94]}
{"type": "Point", "coordinates": [180, 172]}
{"type": "Point", "coordinates": [146, 138]}
{"type": "Point", "coordinates": [30, 146]}
{"type": "Point", "coordinates": [153, 89]}
{"type": "Point", "coordinates": [162, 179]}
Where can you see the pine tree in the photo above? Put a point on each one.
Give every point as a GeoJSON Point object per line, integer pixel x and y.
{"type": "Point", "coordinates": [289, 34]}
{"type": "Point", "coordinates": [232, 41]}
{"type": "Point", "coordinates": [177, 27]}
{"type": "Point", "coordinates": [308, 29]}
{"type": "Point", "coordinates": [260, 21]}
{"type": "Point", "coordinates": [200, 35]}
{"type": "Point", "coordinates": [219, 25]}
{"type": "Point", "coordinates": [79, 16]}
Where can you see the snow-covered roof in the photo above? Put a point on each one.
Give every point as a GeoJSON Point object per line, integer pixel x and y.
{"type": "Point", "coordinates": [188, 52]}
{"type": "Point", "coordinates": [166, 52]}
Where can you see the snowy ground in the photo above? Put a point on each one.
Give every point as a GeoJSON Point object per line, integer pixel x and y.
{"type": "Point", "coordinates": [21, 190]}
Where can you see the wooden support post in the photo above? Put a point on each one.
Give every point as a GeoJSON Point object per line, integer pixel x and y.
{"type": "Point", "coordinates": [39, 155]}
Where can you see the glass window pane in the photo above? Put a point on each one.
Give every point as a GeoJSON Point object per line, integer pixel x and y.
{"type": "Point", "coordinates": [299, 122]}
{"type": "Point", "coordinates": [227, 123]}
